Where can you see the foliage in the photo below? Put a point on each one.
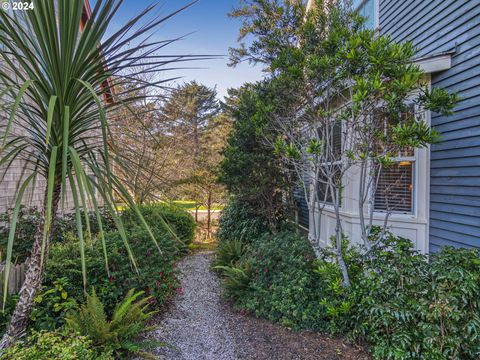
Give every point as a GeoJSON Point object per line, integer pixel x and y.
{"type": "Point", "coordinates": [406, 307]}
{"type": "Point", "coordinates": [156, 275]}
{"type": "Point", "coordinates": [58, 72]}
{"type": "Point", "coordinates": [118, 333]}
{"type": "Point", "coordinates": [228, 253]}
{"type": "Point", "coordinates": [236, 278]}
{"type": "Point", "coordinates": [52, 306]}
{"type": "Point", "coordinates": [66, 224]}
{"type": "Point", "coordinates": [164, 219]}
{"type": "Point", "coordinates": [239, 221]}
{"type": "Point", "coordinates": [401, 304]}
{"type": "Point", "coordinates": [250, 170]}
{"type": "Point", "coordinates": [6, 314]}
{"type": "Point", "coordinates": [27, 223]}
{"type": "Point", "coordinates": [51, 345]}
{"type": "Point", "coordinates": [275, 279]}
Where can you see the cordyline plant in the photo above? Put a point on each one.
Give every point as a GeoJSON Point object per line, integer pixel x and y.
{"type": "Point", "coordinates": [57, 75]}
{"type": "Point", "coordinates": [348, 92]}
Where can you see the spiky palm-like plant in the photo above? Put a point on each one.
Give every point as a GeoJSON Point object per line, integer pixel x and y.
{"type": "Point", "coordinates": [57, 72]}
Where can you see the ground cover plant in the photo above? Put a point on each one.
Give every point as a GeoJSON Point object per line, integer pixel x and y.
{"type": "Point", "coordinates": [401, 304]}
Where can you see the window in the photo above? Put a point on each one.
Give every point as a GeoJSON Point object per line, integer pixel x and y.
{"type": "Point", "coordinates": [332, 165]}
{"type": "Point", "coordinates": [395, 188]}
{"type": "Point", "coordinates": [368, 9]}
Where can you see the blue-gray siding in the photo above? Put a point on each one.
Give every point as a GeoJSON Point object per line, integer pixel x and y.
{"type": "Point", "coordinates": [436, 26]}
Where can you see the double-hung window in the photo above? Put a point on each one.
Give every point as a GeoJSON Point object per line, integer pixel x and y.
{"type": "Point", "coordinates": [396, 183]}
{"type": "Point", "coordinates": [369, 10]}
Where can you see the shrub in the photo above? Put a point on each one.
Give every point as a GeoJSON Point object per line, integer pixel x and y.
{"type": "Point", "coordinates": [51, 306]}
{"type": "Point", "coordinates": [27, 224]}
{"type": "Point", "coordinates": [237, 278]}
{"type": "Point", "coordinates": [117, 334]}
{"type": "Point", "coordinates": [52, 345]}
{"type": "Point", "coordinates": [239, 222]}
{"type": "Point", "coordinates": [164, 219]}
{"type": "Point", "coordinates": [405, 307]}
{"type": "Point", "coordinates": [156, 274]}
{"type": "Point", "coordinates": [282, 286]}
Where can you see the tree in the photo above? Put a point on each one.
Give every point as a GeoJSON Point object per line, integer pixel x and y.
{"type": "Point", "coordinates": [54, 76]}
{"type": "Point", "coordinates": [350, 90]}
{"type": "Point", "coordinates": [143, 158]}
{"type": "Point", "coordinates": [192, 116]}
{"type": "Point", "coordinates": [189, 109]}
{"type": "Point", "coordinates": [250, 170]}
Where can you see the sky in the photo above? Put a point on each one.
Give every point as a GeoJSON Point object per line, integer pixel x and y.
{"type": "Point", "coordinates": [210, 31]}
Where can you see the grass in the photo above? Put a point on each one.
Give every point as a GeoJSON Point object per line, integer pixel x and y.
{"type": "Point", "coordinates": [187, 205]}
{"type": "Point", "coordinates": [190, 205]}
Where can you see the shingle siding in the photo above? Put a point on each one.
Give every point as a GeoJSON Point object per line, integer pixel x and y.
{"type": "Point", "coordinates": [436, 26]}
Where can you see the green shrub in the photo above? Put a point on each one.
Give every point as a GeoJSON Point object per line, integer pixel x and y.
{"type": "Point", "coordinates": [52, 306]}
{"type": "Point", "coordinates": [52, 345]}
{"type": "Point", "coordinates": [118, 334]}
{"type": "Point", "coordinates": [27, 224]}
{"type": "Point", "coordinates": [228, 253]}
{"type": "Point", "coordinates": [163, 219]}
{"type": "Point", "coordinates": [67, 224]}
{"type": "Point", "coordinates": [283, 286]}
{"type": "Point", "coordinates": [156, 274]}
{"type": "Point", "coordinates": [239, 222]}
{"type": "Point", "coordinates": [404, 306]}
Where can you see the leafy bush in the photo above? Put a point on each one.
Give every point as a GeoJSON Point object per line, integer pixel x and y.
{"type": "Point", "coordinates": [156, 274]}
{"type": "Point", "coordinates": [406, 307]}
{"type": "Point", "coordinates": [282, 285]}
{"type": "Point", "coordinates": [67, 224]}
{"type": "Point", "coordinates": [52, 345]}
{"type": "Point", "coordinates": [239, 222]}
{"type": "Point", "coordinates": [117, 334]}
{"type": "Point", "coordinates": [237, 278]}
{"type": "Point", "coordinates": [164, 219]}
{"type": "Point", "coordinates": [51, 306]}
{"type": "Point", "coordinates": [402, 304]}
{"type": "Point", "coordinates": [27, 224]}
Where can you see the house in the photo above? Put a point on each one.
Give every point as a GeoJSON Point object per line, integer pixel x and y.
{"type": "Point", "coordinates": [10, 180]}
{"type": "Point", "coordinates": [440, 185]}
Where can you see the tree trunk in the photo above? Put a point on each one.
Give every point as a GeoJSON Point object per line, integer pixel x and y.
{"type": "Point", "coordinates": [209, 216]}
{"type": "Point", "coordinates": [33, 277]}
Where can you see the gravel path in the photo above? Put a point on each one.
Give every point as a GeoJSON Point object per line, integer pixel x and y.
{"type": "Point", "coordinates": [195, 325]}
{"type": "Point", "coordinates": [200, 325]}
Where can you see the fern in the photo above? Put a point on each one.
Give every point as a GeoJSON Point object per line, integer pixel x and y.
{"type": "Point", "coordinates": [236, 278]}
{"type": "Point", "coordinates": [119, 333]}
{"type": "Point", "coordinates": [228, 253]}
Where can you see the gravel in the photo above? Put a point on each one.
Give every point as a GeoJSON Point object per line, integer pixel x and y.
{"type": "Point", "coordinates": [200, 325]}
{"type": "Point", "coordinates": [195, 326]}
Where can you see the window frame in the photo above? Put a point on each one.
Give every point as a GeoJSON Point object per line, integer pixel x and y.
{"type": "Point", "coordinates": [329, 204]}
{"type": "Point", "coordinates": [413, 158]}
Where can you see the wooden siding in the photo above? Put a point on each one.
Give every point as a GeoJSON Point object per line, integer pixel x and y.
{"type": "Point", "coordinates": [437, 26]}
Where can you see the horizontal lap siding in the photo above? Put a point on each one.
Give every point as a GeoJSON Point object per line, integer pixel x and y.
{"type": "Point", "coordinates": [436, 26]}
